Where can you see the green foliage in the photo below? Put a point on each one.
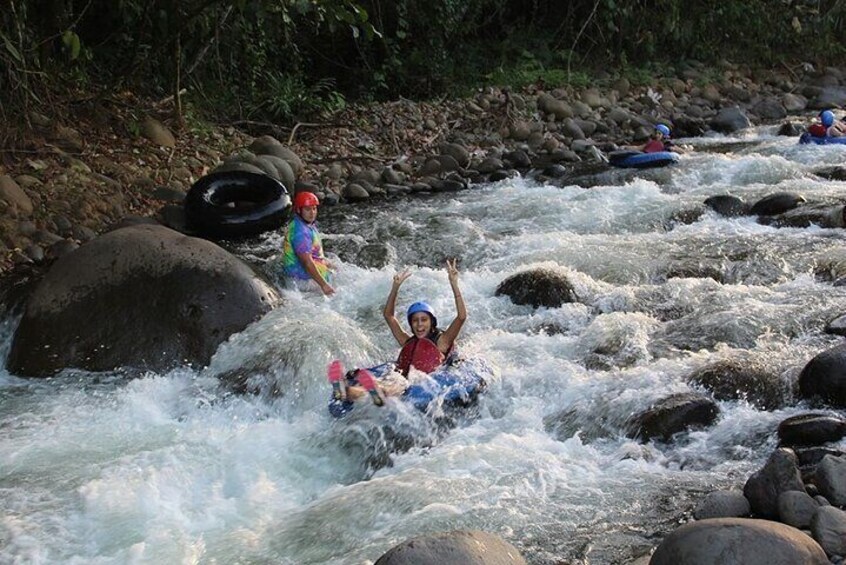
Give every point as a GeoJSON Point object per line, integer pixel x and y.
{"type": "Point", "coordinates": [286, 98]}
{"type": "Point", "coordinates": [291, 59]}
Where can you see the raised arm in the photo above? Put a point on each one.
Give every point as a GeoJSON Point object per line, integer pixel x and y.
{"type": "Point", "coordinates": [390, 306]}
{"type": "Point", "coordinates": [449, 336]}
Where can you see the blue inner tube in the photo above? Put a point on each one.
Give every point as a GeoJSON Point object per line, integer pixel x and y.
{"type": "Point", "coordinates": [806, 138]}
{"type": "Point", "coordinates": [641, 160]}
{"type": "Point", "coordinates": [235, 204]}
{"type": "Point", "coordinates": [457, 384]}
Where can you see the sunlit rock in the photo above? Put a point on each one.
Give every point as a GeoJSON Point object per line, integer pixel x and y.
{"type": "Point", "coordinates": [732, 541]}
{"type": "Point", "coordinates": [460, 546]}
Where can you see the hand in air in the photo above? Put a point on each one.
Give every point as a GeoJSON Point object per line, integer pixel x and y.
{"type": "Point", "coordinates": [401, 277]}
{"type": "Point", "coordinates": [452, 270]}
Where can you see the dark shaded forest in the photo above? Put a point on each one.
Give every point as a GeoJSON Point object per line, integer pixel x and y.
{"type": "Point", "coordinates": [283, 60]}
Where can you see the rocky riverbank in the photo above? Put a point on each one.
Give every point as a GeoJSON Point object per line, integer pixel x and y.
{"type": "Point", "coordinates": [72, 181]}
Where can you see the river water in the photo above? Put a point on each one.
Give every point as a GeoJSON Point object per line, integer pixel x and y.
{"type": "Point", "coordinates": [174, 468]}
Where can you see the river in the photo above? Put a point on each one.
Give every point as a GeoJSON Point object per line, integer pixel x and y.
{"type": "Point", "coordinates": [175, 468]}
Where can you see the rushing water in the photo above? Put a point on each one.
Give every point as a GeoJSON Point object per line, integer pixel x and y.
{"type": "Point", "coordinates": [175, 468]}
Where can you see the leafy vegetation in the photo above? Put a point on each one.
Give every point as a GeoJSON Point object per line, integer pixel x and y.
{"type": "Point", "coordinates": [285, 60]}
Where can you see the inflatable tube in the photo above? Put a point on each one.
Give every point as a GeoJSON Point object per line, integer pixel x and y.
{"type": "Point", "coordinates": [235, 204]}
{"type": "Point", "coordinates": [807, 138]}
{"type": "Point", "coordinates": [641, 160]}
{"type": "Point", "coordinates": [454, 385]}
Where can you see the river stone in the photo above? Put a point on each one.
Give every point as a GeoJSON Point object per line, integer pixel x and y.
{"type": "Point", "coordinates": [727, 205]}
{"type": "Point", "coordinates": [735, 541]}
{"type": "Point", "coordinates": [284, 172]}
{"type": "Point", "coordinates": [790, 129]}
{"type": "Point", "coordinates": [811, 429]}
{"type": "Point", "coordinates": [770, 109]}
{"type": "Point", "coordinates": [14, 194]}
{"type": "Point", "coordinates": [829, 97]}
{"type": "Point", "coordinates": [778, 475]}
{"type": "Point", "coordinates": [729, 120]}
{"type": "Point", "coordinates": [837, 326]}
{"type": "Point", "coordinates": [831, 479]}
{"type": "Point", "coordinates": [538, 287]}
{"type": "Point", "coordinates": [796, 508]}
{"type": "Point", "coordinates": [157, 132]}
{"type": "Point", "coordinates": [448, 163]}
{"type": "Point", "coordinates": [143, 296]}
{"type": "Point", "coordinates": [489, 165]}
{"type": "Point", "coordinates": [518, 159]}
{"type": "Point", "coordinates": [671, 415]}
{"type": "Point", "coordinates": [269, 145]}
{"type": "Point", "coordinates": [457, 152]}
{"type": "Point", "coordinates": [466, 547]}
{"type": "Point", "coordinates": [688, 126]}
{"type": "Point", "coordinates": [722, 504]}
{"type": "Point", "coordinates": [777, 203]}
{"type": "Point", "coordinates": [828, 526]}
{"type": "Point", "coordinates": [355, 192]}
{"type": "Point", "coordinates": [731, 379]}
{"type": "Point", "coordinates": [238, 166]}
{"type": "Point", "coordinates": [825, 376]}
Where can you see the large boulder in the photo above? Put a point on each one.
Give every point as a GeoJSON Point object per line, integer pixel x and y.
{"type": "Point", "coordinates": [731, 541]}
{"type": "Point", "coordinates": [729, 120]}
{"type": "Point", "coordinates": [465, 547]}
{"type": "Point", "coordinates": [671, 415]}
{"type": "Point", "coordinates": [143, 296]}
{"type": "Point", "coordinates": [538, 287]}
{"type": "Point", "coordinates": [825, 376]}
{"type": "Point", "coordinates": [811, 429]}
{"type": "Point", "coordinates": [779, 474]}
{"type": "Point", "coordinates": [734, 379]}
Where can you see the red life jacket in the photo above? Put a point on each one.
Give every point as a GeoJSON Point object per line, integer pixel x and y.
{"type": "Point", "coordinates": [654, 146]}
{"type": "Point", "coordinates": [421, 353]}
{"type": "Point", "coordinates": [817, 130]}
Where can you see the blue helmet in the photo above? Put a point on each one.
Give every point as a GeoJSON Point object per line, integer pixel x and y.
{"type": "Point", "coordinates": [422, 307]}
{"type": "Point", "coordinates": [827, 118]}
{"type": "Point", "coordinates": [665, 131]}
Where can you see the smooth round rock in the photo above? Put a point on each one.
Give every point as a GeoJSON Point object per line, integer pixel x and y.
{"type": "Point", "coordinates": [457, 547]}
{"type": "Point", "coordinates": [736, 541]}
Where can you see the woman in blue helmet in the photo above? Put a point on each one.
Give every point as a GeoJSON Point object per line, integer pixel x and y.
{"type": "Point", "coordinates": [660, 141]}
{"type": "Point", "coordinates": [833, 127]}
{"type": "Point", "coordinates": [425, 349]}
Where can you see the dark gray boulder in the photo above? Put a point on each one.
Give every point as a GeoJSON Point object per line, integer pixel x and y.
{"type": "Point", "coordinates": [538, 287]}
{"type": "Point", "coordinates": [777, 203]}
{"type": "Point", "coordinates": [732, 541]}
{"type": "Point", "coordinates": [729, 120]}
{"type": "Point", "coordinates": [733, 379]}
{"type": "Point", "coordinates": [825, 377]}
{"type": "Point", "coordinates": [671, 415]}
{"type": "Point", "coordinates": [727, 205]}
{"type": "Point", "coordinates": [142, 296]}
{"type": "Point", "coordinates": [778, 475]}
{"type": "Point", "coordinates": [811, 429]}
{"type": "Point", "coordinates": [464, 547]}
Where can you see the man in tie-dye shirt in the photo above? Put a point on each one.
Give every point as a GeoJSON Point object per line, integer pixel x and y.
{"type": "Point", "coordinates": [302, 252]}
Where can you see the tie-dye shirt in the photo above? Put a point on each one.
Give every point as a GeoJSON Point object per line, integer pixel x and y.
{"type": "Point", "coordinates": [301, 237]}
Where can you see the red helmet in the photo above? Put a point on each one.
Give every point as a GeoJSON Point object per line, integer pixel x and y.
{"type": "Point", "coordinates": [303, 199]}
